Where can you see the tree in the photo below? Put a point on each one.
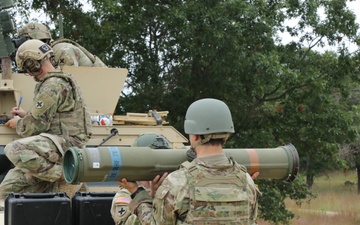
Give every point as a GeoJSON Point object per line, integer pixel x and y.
{"type": "Point", "coordinates": [180, 51]}
{"type": "Point", "coordinates": [350, 152]}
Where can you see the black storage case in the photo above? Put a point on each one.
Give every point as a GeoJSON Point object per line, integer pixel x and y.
{"type": "Point", "coordinates": [92, 208]}
{"type": "Point", "coordinates": [37, 209]}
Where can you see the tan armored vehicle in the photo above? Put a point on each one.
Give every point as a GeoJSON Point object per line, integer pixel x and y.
{"type": "Point", "coordinates": [101, 88]}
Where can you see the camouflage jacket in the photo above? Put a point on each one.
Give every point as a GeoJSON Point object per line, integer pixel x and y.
{"type": "Point", "coordinates": [120, 211]}
{"type": "Point", "coordinates": [58, 108]}
{"type": "Point", "coordinates": [69, 53]}
{"type": "Point", "coordinates": [172, 200]}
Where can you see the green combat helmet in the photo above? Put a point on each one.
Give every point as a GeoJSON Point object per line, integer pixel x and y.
{"type": "Point", "coordinates": [154, 141]}
{"type": "Point", "coordinates": [209, 117]}
{"type": "Point", "coordinates": [35, 31]}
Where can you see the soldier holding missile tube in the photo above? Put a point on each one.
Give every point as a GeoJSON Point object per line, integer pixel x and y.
{"type": "Point", "coordinates": [120, 211]}
{"type": "Point", "coordinates": [212, 188]}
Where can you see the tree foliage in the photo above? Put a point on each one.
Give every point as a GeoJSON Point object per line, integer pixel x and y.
{"type": "Point", "coordinates": [274, 195]}
{"type": "Point", "coordinates": [180, 51]}
{"type": "Point", "coordinates": [350, 152]}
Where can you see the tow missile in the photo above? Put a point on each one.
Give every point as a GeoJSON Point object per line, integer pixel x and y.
{"type": "Point", "coordinates": [104, 164]}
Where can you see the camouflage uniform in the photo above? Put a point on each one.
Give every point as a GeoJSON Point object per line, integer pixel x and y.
{"type": "Point", "coordinates": [120, 211]}
{"type": "Point", "coordinates": [69, 53]}
{"type": "Point", "coordinates": [57, 120]}
{"type": "Point", "coordinates": [212, 189]}
{"type": "Point", "coordinates": [171, 204]}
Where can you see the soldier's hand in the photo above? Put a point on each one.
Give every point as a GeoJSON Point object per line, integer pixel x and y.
{"type": "Point", "coordinates": [19, 112]}
{"type": "Point", "coordinates": [130, 186]}
{"type": "Point", "coordinates": [12, 123]}
{"type": "Point", "coordinates": [156, 182]}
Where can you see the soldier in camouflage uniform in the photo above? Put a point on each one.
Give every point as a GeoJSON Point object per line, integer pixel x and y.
{"type": "Point", "coordinates": [120, 211]}
{"type": "Point", "coordinates": [57, 120]}
{"type": "Point", "coordinates": [212, 189]}
{"type": "Point", "coordinates": [67, 52]}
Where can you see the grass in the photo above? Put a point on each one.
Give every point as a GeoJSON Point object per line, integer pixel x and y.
{"type": "Point", "coordinates": [335, 204]}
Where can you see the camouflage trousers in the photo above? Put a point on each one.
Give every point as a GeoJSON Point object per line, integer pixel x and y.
{"type": "Point", "coordinates": [37, 164]}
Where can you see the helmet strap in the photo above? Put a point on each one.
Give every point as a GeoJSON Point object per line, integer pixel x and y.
{"type": "Point", "coordinates": [208, 137]}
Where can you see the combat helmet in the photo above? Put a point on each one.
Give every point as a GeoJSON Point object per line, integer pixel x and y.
{"type": "Point", "coordinates": [31, 53]}
{"type": "Point", "coordinates": [35, 31]}
{"type": "Point", "coordinates": [154, 141]}
{"type": "Point", "coordinates": [209, 117]}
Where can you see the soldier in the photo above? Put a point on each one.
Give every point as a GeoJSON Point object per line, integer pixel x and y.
{"type": "Point", "coordinates": [212, 189]}
{"type": "Point", "coordinates": [119, 209]}
{"type": "Point", "coordinates": [58, 119]}
{"type": "Point", "coordinates": [67, 52]}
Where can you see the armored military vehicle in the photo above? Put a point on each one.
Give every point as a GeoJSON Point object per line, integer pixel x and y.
{"type": "Point", "coordinates": [101, 88]}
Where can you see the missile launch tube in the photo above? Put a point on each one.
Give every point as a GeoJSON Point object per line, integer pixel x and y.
{"type": "Point", "coordinates": [104, 164]}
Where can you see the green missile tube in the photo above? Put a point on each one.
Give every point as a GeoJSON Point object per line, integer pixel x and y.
{"type": "Point", "coordinates": [104, 164]}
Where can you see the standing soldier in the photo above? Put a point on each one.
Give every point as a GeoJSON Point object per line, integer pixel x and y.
{"type": "Point", "coordinates": [212, 189]}
{"type": "Point", "coordinates": [58, 119]}
{"type": "Point", "coordinates": [67, 52]}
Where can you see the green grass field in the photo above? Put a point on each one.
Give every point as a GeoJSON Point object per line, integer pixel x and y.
{"type": "Point", "coordinates": [335, 204]}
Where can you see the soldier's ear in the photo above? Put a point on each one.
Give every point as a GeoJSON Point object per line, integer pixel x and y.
{"type": "Point", "coordinates": [195, 137]}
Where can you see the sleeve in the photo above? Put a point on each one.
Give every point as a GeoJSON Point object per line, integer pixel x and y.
{"type": "Point", "coordinates": [41, 113]}
{"type": "Point", "coordinates": [141, 206]}
{"type": "Point", "coordinates": [166, 203]}
{"type": "Point", "coordinates": [254, 194]}
{"type": "Point", "coordinates": [120, 211]}
{"type": "Point", "coordinates": [66, 56]}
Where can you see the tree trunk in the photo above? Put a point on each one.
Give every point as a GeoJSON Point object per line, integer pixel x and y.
{"type": "Point", "coordinates": [309, 181]}
{"type": "Point", "coordinates": [309, 176]}
{"type": "Point", "coordinates": [358, 176]}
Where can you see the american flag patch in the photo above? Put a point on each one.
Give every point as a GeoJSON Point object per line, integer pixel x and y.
{"type": "Point", "coordinates": [123, 200]}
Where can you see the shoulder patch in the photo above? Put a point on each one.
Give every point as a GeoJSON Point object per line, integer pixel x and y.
{"type": "Point", "coordinates": [121, 211]}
